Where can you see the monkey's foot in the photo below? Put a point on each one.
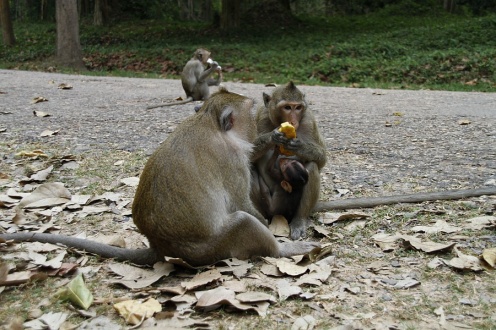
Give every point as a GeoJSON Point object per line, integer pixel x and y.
{"type": "Point", "coordinates": [298, 228]}
{"type": "Point", "coordinates": [297, 248]}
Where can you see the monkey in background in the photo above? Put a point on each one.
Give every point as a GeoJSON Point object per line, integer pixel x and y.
{"type": "Point", "coordinates": [193, 199]}
{"type": "Point", "coordinates": [287, 104]}
{"type": "Point", "coordinates": [196, 79]}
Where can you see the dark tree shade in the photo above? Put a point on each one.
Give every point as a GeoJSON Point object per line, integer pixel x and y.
{"type": "Point", "coordinates": [6, 22]}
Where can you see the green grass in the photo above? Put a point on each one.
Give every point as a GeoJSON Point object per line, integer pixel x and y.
{"type": "Point", "coordinates": [446, 52]}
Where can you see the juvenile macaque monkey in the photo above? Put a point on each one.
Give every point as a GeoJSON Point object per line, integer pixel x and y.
{"type": "Point", "coordinates": [287, 104]}
{"type": "Point", "coordinates": [196, 79]}
{"type": "Point", "coordinates": [193, 200]}
{"type": "Point", "coordinates": [290, 177]}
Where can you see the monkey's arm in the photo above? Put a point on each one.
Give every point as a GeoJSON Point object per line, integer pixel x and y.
{"type": "Point", "coordinates": [216, 82]}
{"type": "Point", "coordinates": [206, 73]}
{"type": "Point", "coordinates": [368, 202]}
{"type": "Point", "coordinates": [261, 145]}
{"type": "Point", "coordinates": [138, 256]}
{"type": "Point", "coordinates": [307, 151]}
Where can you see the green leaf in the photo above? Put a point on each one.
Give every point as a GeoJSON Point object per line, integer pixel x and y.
{"type": "Point", "coordinates": [76, 292]}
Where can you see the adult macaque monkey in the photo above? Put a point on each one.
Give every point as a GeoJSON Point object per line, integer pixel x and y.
{"type": "Point", "coordinates": [287, 104]}
{"type": "Point", "coordinates": [193, 200]}
{"type": "Point", "coordinates": [196, 79]}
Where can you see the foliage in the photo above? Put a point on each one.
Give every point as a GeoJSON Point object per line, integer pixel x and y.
{"type": "Point", "coordinates": [378, 50]}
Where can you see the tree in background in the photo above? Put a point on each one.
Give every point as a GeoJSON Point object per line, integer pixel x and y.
{"type": "Point", "coordinates": [69, 51]}
{"type": "Point", "coordinates": [6, 23]}
{"type": "Point", "coordinates": [229, 16]}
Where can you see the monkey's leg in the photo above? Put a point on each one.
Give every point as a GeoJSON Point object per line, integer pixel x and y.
{"type": "Point", "coordinates": [256, 194]}
{"type": "Point", "coordinates": [243, 236]}
{"type": "Point", "coordinates": [309, 198]}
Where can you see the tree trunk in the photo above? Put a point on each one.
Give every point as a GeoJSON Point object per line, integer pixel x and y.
{"type": "Point", "coordinates": [6, 23]}
{"type": "Point", "coordinates": [206, 13]}
{"type": "Point", "coordinates": [69, 51]}
{"type": "Point", "coordinates": [229, 17]}
{"type": "Point", "coordinates": [98, 15]}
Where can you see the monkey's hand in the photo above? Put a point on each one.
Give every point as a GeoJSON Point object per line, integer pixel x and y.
{"type": "Point", "coordinates": [281, 139]}
{"type": "Point", "coordinates": [214, 65]}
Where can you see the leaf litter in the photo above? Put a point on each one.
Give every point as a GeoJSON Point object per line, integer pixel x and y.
{"type": "Point", "coordinates": [319, 280]}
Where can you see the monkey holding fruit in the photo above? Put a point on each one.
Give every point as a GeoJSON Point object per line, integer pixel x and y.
{"type": "Point", "coordinates": [195, 78]}
{"type": "Point", "coordinates": [287, 104]}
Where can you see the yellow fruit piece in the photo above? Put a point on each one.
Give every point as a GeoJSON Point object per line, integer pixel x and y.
{"type": "Point", "coordinates": [290, 132]}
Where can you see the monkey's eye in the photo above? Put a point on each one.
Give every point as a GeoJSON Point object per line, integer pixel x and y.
{"type": "Point", "coordinates": [287, 107]}
{"type": "Point", "coordinates": [299, 108]}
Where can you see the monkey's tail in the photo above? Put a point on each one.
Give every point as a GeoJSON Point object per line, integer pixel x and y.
{"type": "Point", "coordinates": [189, 99]}
{"type": "Point", "coordinates": [137, 256]}
{"type": "Point", "coordinates": [356, 203]}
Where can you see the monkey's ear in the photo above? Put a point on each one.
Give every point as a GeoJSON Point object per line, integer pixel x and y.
{"type": "Point", "coordinates": [227, 119]}
{"type": "Point", "coordinates": [266, 99]}
{"type": "Point", "coordinates": [286, 186]}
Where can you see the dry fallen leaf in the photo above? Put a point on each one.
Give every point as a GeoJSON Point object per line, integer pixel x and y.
{"type": "Point", "coordinates": [100, 323]}
{"type": "Point", "coordinates": [213, 299]}
{"type": "Point", "coordinates": [40, 113]}
{"type": "Point", "coordinates": [290, 268]}
{"type": "Point", "coordinates": [137, 278]}
{"type": "Point", "coordinates": [46, 195]}
{"type": "Point", "coordinates": [489, 256]}
{"type": "Point", "coordinates": [251, 296]}
{"type": "Point", "coordinates": [317, 276]}
{"type": "Point", "coordinates": [306, 322]}
{"type": "Point", "coordinates": [464, 122]}
{"type": "Point", "coordinates": [479, 223]}
{"type": "Point", "coordinates": [22, 277]}
{"type": "Point", "coordinates": [279, 226]}
{"type": "Point", "coordinates": [48, 132]}
{"type": "Point", "coordinates": [465, 262]}
{"type": "Point", "coordinates": [34, 153]}
{"type": "Point", "coordinates": [440, 226]}
{"type": "Point", "coordinates": [271, 270]}
{"type": "Point", "coordinates": [425, 246]}
{"type": "Point", "coordinates": [286, 290]}
{"type": "Point", "coordinates": [202, 279]}
{"type": "Point", "coordinates": [135, 311]}
{"type": "Point", "coordinates": [47, 321]}
{"type": "Point", "coordinates": [38, 99]}
{"type": "Point", "coordinates": [64, 86]}
{"type": "Point", "coordinates": [131, 181]}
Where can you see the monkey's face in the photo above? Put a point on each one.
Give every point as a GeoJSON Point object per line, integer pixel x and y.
{"type": "Point", "coordinates": [293, 172]}
{"type": "Point", "coordinates": [202, 55]}
{"type": "Point", "coordinates": [291, 112]}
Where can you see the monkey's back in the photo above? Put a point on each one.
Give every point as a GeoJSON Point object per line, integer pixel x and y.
{"type": "Point", "coordinates": [183, 194]}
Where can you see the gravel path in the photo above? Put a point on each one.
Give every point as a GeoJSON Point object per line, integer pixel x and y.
{"type": "Point", "coordinates": [379, 141]}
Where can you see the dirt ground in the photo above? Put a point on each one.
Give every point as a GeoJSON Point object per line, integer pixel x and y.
{"type": "Point", "coordinates": [380, 142]}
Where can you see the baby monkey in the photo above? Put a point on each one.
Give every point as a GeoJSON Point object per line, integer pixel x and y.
{"type": "Point", "coordinates": [290, 178]}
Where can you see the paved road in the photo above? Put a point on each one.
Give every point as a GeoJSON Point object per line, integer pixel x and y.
{"type": "Point", "coordinates": [378, 140]}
